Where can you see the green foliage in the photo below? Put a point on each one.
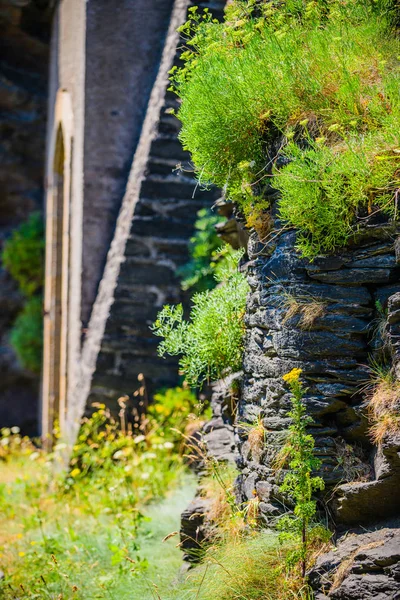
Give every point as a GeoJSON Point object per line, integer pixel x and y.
{"type": "Point", "coordinates": [23, 255]}
{"type": "Point", "coordinates": [210, 343]}
{"type": "Point", "coordinates": [198, 274]}
{"type": "Point", "coordinates": [299, 483]}
{"type": "Point", "coordinates": [324, 189]}
{"type": "Point", "coordinates": [27, 334]}
{"type": "Point", "coordinates": [84, 535]}
{"type": "Point", "coordinates": [174, 409]}
{"type": "Point", "coordinates": [318, 78]}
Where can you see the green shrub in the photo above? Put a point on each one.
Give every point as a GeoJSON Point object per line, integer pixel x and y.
{"type": "Point", "coordinates": [23, 255]}
{"type": "Point", "coordinates": [27, 335]}
{"type": "Point", "coordinates": [210, 343]}
{"type": "Point", "coordinates": [198, 274]}
{"type": "Point", "coordinates": [321, 76]}
{"type": "Point", "coordinates": [324, 189]}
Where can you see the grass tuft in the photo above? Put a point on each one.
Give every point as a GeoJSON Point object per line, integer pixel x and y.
{"type": "Point", "coordinates": [383, 406]}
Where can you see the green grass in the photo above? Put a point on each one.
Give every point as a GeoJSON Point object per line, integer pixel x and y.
{"type": "Point", "coordinates": [314, 81]}
{"type": "Point", "coordinates": [96, 531]}
{"type": "Point", "coordinates": [248, 568]}
{"type": "Point", "coordinates": [79, 546]}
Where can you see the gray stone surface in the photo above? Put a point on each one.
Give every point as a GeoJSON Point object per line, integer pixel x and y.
{"type": "Point", "coordinates": [332, 352]}
{"type": "Point", "coordinates": [363, 565]}
{"type": "Point", "coordinates": [162, 224]}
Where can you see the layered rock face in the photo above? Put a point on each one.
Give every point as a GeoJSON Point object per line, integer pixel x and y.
{"type": "Point", "coordinates": [365, 564]}
{"type": "Point", "coordinates": [323, 317]}
{"type": "Point", "coordinates": [24, 34]}
{"type": "Point", "coordinates": [215, 443]}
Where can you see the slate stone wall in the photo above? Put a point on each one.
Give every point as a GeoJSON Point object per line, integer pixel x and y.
{"type": "Point", "coordinates": [348, 291]}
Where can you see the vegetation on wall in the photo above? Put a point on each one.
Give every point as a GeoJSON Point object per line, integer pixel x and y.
{"type": "Point", "coordinates": [210, 342]}
{"type": "Point", "coordinates": [23, 257]}
{"type": "Point", "coordinates": [299, 482]}
{"type": "Point", "coordinates": [383, 404]}
{"type": "Point", "coordinates": [298, 96]}
{"type": "Point", "coordinates": [205, 252]}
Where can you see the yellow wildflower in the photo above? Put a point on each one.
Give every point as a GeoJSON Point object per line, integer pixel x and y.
{"type": "Point", "coordinates": [293, 376]}
{"type": "Point", "coordinates": [21, 554]}
{"type": "Point", "coordinates": [75, 472]}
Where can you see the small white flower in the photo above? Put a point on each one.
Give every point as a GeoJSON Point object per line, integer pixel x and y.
{"type": "Point", "coordinates": [60, 446]}
{"type": "Point", "coordinates": [5, 441]}
{"type": "Point", "coordinates": [139, 438]}
{"type": "Point", "coordinates": [149, 455]}
{"type": "Point", "coordinates": [118, 454]}
{"type": "Point", "coordinates": [145, 475]}
{"type": "Point", "coordinates": [34, 456]}
{"type": "Point", "coordinates": [15, 430]}
{"type": "Point", "coordinates": [168, 445]}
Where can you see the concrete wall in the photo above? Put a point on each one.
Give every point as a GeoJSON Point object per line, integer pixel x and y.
{"type": "Point", "coordinates": [66, 113]}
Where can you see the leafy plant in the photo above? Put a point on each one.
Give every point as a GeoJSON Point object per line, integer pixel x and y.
{"type": "Point", "coordinates": [210, 343]}
{"type": "Point", "coordinates": [198, 274]}
{"type": "Point", "coordinates": [23, 255]}
{"type": "Point", "coordinates": [299, 482]}
{"type": "Point", "coordinates": [27, 336]}
{"type": "Point", "coordinates": [301, 97]}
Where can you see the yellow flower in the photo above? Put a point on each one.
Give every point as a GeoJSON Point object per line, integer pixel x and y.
{"type": "Point", "coordinates": [75, 472]}
{"type": "Point", "coordinates": [21, 554]}
{"type": "Point", "coordinates": [293, 376]}
{"type": "Point", "coordinates": [19, 536]}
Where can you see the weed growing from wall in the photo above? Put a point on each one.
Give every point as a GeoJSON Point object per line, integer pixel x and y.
{"type": "Point", "coordinates": [210, 343]}
{"type": "Point", "coordinates": [300, 97]}
{"type": "Point", "coordinates": [204, 249]}
{"type": "Point", "coordinates": [299, 482]}
{"type": "Point", "coordinates": [23, 257]}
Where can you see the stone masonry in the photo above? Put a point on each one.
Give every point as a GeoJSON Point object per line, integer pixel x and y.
{"type": "Point", "coordinates": [332, 350]}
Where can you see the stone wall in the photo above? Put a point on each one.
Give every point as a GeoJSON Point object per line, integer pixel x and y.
{"type": "Point", "coordinates": [345, 294]}
{"type": "Point", "coordinates": [24, 49]}
{"type": "Point", "coordinates": [162, 224]}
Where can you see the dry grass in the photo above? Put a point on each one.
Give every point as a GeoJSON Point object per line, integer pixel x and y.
{"type": "Point", "coordinates": [308, 308]}
{"type": "Point", "coordinates": [383, 406]}
{"type": "Point", "coordinates": [256, 439]}
{"type": "Point", "coordinates": [251, 567]}
{"type": "Point", "coordinates": [261, 222]}
{"type": "Point", "coordinates": [350, 459]}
